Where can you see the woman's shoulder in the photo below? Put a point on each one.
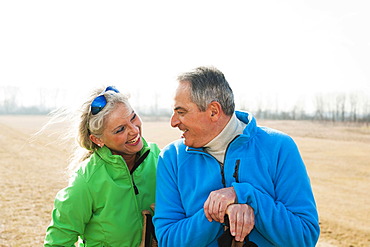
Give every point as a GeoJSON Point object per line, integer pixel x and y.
{"type": "Point", "coordinates": [89, 167]}
{"type": "Point", "coordinates": [154, 148]}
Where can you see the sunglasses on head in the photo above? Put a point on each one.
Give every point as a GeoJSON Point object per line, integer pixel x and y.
{"type": "Point", "coordinates": [100, 102]}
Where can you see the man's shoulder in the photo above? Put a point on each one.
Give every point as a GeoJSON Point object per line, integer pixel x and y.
{"type": "Point", "coordinates": [175, 146]}
{"type": "Point", "coordinates": [271, 131]}
{"type": "Point", "coordinates": [273, 136]}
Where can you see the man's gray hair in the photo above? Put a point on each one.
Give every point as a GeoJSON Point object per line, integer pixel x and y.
{"type": "Point", "coordinates": [208, 84]}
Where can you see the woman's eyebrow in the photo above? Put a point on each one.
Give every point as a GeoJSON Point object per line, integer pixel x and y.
{"type": "Point", "coordinates": [133, 112]}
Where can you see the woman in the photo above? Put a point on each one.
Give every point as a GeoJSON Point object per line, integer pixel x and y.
{"type": "Point", "coordinates": [115, 182]}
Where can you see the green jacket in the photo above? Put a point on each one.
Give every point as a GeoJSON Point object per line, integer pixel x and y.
{"type": "Point", "coordinates": [103, 202]}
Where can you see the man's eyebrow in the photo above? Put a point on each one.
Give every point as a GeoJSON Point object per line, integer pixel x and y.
{"type": "Point", "coordinates": [178, 108]}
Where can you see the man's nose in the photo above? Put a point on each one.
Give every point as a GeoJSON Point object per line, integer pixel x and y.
{"type": "Point", "coordinates": [174, 121]}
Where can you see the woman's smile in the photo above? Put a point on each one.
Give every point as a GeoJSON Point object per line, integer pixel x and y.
{"type": "Point", "coordinates": [135, 141]}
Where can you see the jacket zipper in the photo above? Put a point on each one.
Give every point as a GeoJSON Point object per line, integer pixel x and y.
{"type": "Point", "coordinates": [236, 171]}
{"type": "Point", "coordinates": [137, 163]}
{"type": "Point", "coordinates": [135, 187]}
{"type": "Point", "coordinates": [222, 165]}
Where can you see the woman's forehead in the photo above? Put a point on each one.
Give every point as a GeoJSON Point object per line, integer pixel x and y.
{"type": "Point", "coordinates": [120, 111]}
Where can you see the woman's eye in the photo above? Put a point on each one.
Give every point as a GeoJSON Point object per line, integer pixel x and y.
{"type": "Point", "coordinates": [119, 130]}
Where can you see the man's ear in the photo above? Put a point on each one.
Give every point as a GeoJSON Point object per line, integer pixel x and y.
{"type": "Point", "coordinates": [215, 110]}
{"type": "Point", "coordinates": [96, 140]}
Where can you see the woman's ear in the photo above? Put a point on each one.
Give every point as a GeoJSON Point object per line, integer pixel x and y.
{"type": "Point", "coordinates": [96, 140]}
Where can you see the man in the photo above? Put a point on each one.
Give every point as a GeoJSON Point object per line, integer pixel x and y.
{"type": "Point", "coordinates": [227, 165]}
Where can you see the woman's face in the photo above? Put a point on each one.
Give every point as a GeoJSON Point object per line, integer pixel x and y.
{"type": "Point", "coordinates": [122, 132]}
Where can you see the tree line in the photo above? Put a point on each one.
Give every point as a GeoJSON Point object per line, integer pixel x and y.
{"type": "Point", "coordinates": [334, 107]}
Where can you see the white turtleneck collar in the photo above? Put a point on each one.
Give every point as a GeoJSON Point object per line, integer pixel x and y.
{"type": "Point", "coordinates": [217, 146]}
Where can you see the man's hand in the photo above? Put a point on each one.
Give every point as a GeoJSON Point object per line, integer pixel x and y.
{"type": "Point", "coordinates": [217, 203]}
{"type": "Point", "coordinates": [241, 218]}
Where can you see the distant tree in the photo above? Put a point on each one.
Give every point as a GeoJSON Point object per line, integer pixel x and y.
{"type": "Point", "coordinates": [319, 105]}
{"type": "Point", "coordinates": [366, 112]}
{"type": "Point", "coordinates": [298, 110]}
{"type": "Point", "coordinates": [353, 107]}
{"type": "Point", "coordinates": [10, 99]}
{"type": "Point", "coordinates": [340, 103]}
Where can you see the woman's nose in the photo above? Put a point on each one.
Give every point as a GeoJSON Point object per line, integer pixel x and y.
{"type": "Point", "coordinates": [133, 129]}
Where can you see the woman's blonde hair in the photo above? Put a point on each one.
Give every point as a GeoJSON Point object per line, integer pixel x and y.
{"type": "Point", "coordinates": [94, 124]}
{"type": "Point", "coordinates": [81, 123]}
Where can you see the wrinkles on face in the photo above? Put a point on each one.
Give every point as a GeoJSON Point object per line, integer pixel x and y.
{"type": "Point", "coordinates": [193, 123]}
{"type": "Point", "coordinates": [122, 133]}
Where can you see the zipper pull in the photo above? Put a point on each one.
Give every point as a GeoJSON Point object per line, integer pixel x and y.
{"type": "Point", "coordinates": [136, 189]}
{"type": "Point", "coordinates": [236, 171]}
{"type": "Point", "coordinates": [223, 175]}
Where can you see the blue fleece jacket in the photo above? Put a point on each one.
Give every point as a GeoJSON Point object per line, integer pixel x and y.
{"type": "Point", "coordinates": [267, 172]}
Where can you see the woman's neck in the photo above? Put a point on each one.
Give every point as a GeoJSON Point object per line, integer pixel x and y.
{"type": "Point", "coordinates": [130, 160]}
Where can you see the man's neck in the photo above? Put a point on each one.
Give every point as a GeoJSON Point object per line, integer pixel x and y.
{"type": "Point", "coordinates": [217, 146]}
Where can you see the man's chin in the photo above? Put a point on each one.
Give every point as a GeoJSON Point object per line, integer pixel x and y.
{"type": "Point", "coordinates": [186, 142]}
{"type": "Point", "coordinates": [189, 144]}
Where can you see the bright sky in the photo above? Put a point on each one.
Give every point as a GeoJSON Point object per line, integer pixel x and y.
{"type": "Point", "coordinates": [270, 51]}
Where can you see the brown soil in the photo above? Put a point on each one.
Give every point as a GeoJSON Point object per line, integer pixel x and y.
{"type": "Point", "coordinates": [337, 158]}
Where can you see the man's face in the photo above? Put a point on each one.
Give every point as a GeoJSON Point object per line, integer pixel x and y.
{"type": "Point", "coordinates": [196, 125]}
